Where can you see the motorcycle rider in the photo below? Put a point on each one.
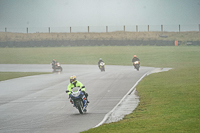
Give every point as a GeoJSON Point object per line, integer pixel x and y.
{"type": "Point", "coordinates": [53, 63]}
{"type": "Point", "coordinates": [100, 60]}
{"type": "Point", "coordinates": [135, 58]}
{"type": "Point", "coordinates": [74, 83]}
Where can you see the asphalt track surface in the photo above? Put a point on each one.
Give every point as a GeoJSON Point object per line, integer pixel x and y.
{"type": "Point", "coordinates": [39, 103]}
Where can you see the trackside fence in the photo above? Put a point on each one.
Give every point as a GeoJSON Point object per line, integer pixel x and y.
{"type": "Point", "coordinates": [90, 29]}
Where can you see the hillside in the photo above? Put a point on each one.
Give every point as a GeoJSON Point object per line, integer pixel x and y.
{"type": "Point", "coordinates": [183, 37]}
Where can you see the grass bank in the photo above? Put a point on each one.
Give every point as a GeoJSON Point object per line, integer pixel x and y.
{"type": "Point", "coordinates": [12, 75]}
{"type": "Point", "coordinates": [118, 35]}
{"type": "Point", "coordinates": [169, 102]}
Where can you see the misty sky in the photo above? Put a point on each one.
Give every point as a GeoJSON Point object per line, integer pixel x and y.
{"type": "Point", "coordinates": [66, 13]}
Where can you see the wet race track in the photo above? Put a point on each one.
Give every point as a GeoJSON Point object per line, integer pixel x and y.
{"type": "Point", "coordinates": [39, 103]}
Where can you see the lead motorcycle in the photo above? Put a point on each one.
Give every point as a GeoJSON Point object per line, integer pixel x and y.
{"type": "Point", "coordinates": [136, 64]}
{"type": "Point", "coordinates": [78, 99]}
{"type": "Point", "coordinates": [102, 66]}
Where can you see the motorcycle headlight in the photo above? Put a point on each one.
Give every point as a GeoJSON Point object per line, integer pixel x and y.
{"type": "Point", "coordinates": [136, 62]}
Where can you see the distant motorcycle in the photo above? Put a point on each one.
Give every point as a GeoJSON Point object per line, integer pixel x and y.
{"type": "Point", "coordinates": [102, 66]}
{"type": "Point", "coordinates": [136, 64]}
{"type": "Point", "coordinates": [78, 99]}
{"type": "Point", "coordinates": [57, 67]}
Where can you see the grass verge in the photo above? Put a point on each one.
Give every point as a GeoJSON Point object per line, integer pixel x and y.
{"type": "Point", "coordinates": [12, 75]}
{"type": "Point", "coordinates": [169, 102]}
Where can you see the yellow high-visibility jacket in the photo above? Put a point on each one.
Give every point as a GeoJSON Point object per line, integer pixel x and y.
{"type": "Point", "coordinates": [77, 84]}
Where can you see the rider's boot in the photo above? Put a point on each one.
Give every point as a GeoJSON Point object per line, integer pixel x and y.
{"type": "Point", "coordinates": [71, 101]}
{"type": "Point", "coordinates": [88, 101]}
{"type": "Point", "coordinates": [85, 110]}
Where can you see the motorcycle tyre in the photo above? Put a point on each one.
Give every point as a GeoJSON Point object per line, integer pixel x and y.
{"type": "Point", "coordinates": [137, 67]}
{"type": "Point", "coordinates": [61, 69]}
{"type": "Point", "coordinates": [80, 108]}
{"type": "Point", "coordinates": [102, 69]}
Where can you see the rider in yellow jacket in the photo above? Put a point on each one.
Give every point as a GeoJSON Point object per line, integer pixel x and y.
{"type": "Point", "coordinates": [74, 83]}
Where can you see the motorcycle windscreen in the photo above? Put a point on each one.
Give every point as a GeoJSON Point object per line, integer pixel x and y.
{"type": "Point", "coordinates": [76, 92]}
{"type": "Point", "coordinates": [75, 89]}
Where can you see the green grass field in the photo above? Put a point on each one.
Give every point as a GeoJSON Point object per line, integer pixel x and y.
{"type": "Point", "coordinates": [166, 56]}
{"type": "Point", "coordinates": [12, 75]}
{"type": "Point", "coordinates": [169, 101]}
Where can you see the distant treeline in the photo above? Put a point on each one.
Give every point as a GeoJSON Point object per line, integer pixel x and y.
{"type": "Point", "coordinates": [60, 43]}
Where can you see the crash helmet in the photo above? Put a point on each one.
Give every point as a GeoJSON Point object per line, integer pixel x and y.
{"type": "Point", "coordinates": [135, 56]}
{"type": "Point", "coordinates": [100, 58]}
{"type": "Point", "coordinates": [72, 79]}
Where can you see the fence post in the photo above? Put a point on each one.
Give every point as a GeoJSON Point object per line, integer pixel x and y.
{"type": "Point", "coordinates": [5, 29]}
{"type": "Point", "coordinates": [27, 30]}
{"type": "Point", "coordinates": [49, 30]}
{"type": "Point", "coordinates": [88, 29]}
{"type": "Point", "coordinates": [106, 28]}
{"type": "Point", "coordinates": [179, 28]}
{"type": "Point", "coordinates": [136, 28]}
{"type": "Point", "coordinates": [70, 29]}
{"type": "Point", "coordinates": [199, 27]}
{"type": "Point", "coordinates": [161, 28]}
{"type": "Point", "coordinates": [124, 28]}
{"type": "Point", "coordinates": [148, 28]}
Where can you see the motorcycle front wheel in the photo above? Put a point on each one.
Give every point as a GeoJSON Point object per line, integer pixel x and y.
{"type": "Point", "coordinates": [79, 105]}
{"type": "Point", "coordinates": [137, 67]}
{"type": "Point", "coordinates": [61, 69]}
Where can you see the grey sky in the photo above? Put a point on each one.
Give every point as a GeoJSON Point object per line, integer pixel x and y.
{"type": "Point", "coordinates": [66, 13]}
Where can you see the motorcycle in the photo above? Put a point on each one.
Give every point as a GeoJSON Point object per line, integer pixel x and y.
{"type": "Point", "coordinates": [136, 64]}
{"type": "Point", "coordinates": [102, 66]}
{"type": "Point", "coordinates": [57, 67]}
{"type": "Point", "coordinates": [78, 99]}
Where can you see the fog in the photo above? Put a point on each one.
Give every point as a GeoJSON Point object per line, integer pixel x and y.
{"type": "Point", "coordinates": [61, 14]}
